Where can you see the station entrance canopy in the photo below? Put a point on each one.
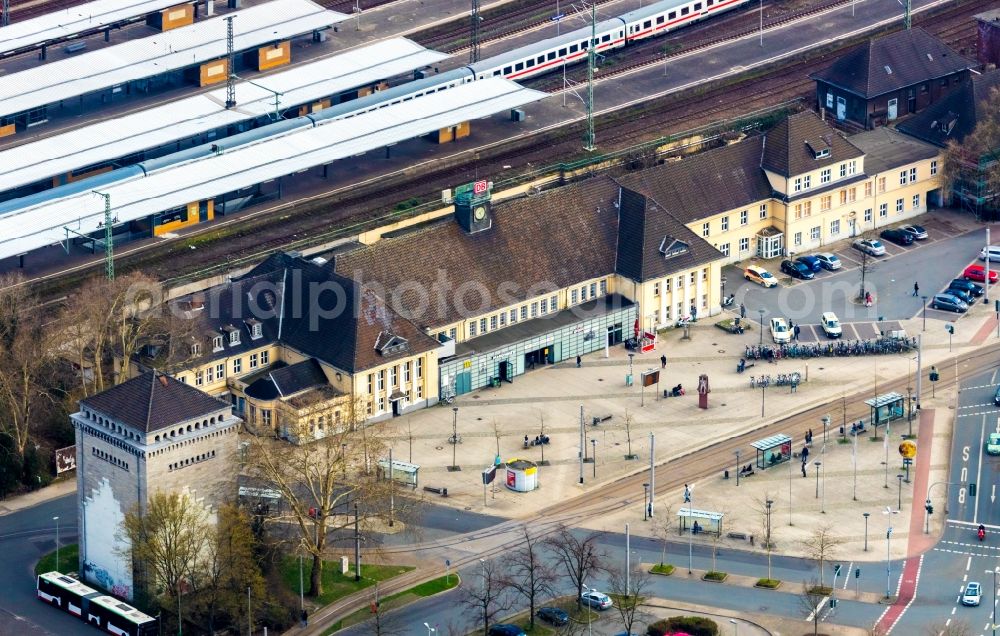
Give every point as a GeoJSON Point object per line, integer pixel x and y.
{"type": "Point", "coordinates": [137, 197]}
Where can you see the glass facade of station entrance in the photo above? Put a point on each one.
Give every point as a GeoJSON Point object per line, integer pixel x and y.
{"type": "Point", "coordinates": [503, 355]}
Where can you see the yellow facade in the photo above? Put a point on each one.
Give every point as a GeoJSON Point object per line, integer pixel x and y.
{"type": "Point", "coordinates": [663, 301]}
{"type": "Point", "coordinates": [415, 377]}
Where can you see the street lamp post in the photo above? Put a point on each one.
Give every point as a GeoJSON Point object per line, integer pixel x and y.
{"type": "Point", "coordinates": [817, 463]}
{"type": "Point", "coordinates": [924, 299]}
{"type": "Point", "coordinates": [761, 312]}
{"type": "Point", "coordinates": [593, 444]}
{"type": "Point", "coordinates": [866, 515]}
{"type": "Point", "coordinates": [688, 491]}
{"type": "Point", "coordinates": [737, 453]}
{"type": "Point", "coordinates": [56, 519]}
{"type": "Point", "coordinates": [822, 486]}
{"type": "Point", "coordinates": [826, 425]}
{"type": "Point", "coordinates": [767, 538]}
{"type": "Point", "coordinates": [899, 498]}
{"type": "Point", "coordinates": [888, 552]}
{"type": "Point", "coordinates": [762, 389]}
{"type": "Point", "coordinates": [789, 491]}
{"type": "Point", "coordinates": [645, 498]}
{"type": "Point", "coordinates": [454, 437]}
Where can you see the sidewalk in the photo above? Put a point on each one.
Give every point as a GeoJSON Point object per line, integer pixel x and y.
{"type": "Point", "coordinates": [52, 491]}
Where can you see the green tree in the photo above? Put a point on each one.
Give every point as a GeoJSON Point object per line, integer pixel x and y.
{"type": "Point", "coordinates": [976, 159]}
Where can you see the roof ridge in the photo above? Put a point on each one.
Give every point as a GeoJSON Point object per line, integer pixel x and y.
{"type": "Point", "coordinates": [149, 406]}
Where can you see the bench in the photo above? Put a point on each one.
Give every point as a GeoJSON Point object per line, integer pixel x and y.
{"type": "Point", "coordinates": [597, 419]}
{"type": "Point", "coordinates": [74, 47]}
{"type": "Point", "coordinates": [742, 536]}
{"type": "Point", "coordinates": [437, 491]}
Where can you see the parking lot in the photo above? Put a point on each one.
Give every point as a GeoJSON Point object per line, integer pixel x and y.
{"type": "Point", "coordinates": [954, 241]}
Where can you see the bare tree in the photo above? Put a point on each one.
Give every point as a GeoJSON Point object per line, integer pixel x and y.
{"type": "Point", "coordinates": [527, 573]}
{"type": "Point", "coordinates": [764, 512]}
{"type": "Point", "coordinates": [821, 546]}
{"type": "Point", "coordinates": [316, 479]}
{"type": "Point", "coordinates": [580, 557]}
{"type": "Point", "coordinates": [866, 266]}
{"type": "Point", "coordinates": [382, 621]}
{"type": "Point", "coordinates": [541, 433]}
{"type": "Point", "coordinates": [496, 434]}
{"type": "Point", "coordinates": [629, 592]}
{"type": "Point", "coordinates": [663, 528]}
{"type": "Point", "coordinates": [487, 597]}
{"type": "Point", "coordinates": [629, 420]}
{"type": "Point", "coordinates": [812, 600]}
{"type": "Point", "coordinates": [717, 536]}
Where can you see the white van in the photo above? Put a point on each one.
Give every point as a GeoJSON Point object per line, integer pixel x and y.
{"type": "Point", "coordinates": [993, 251]}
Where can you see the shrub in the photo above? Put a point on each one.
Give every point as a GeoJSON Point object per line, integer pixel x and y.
{"type": "Point", "coordinates": [694, 625]}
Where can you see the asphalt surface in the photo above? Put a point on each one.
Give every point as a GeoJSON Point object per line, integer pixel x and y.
{"type": "Point", "coordinates": [25, 536]}
{"type": "Point", "coordinates": [938, 260]}
{"type": "Point", "coordinates": [959, 557]}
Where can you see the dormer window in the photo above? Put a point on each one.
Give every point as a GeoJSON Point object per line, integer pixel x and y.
{"type": "Point", "coordinates": [234, 337]}
{"type": "Point", "coordinates": [196, 348]}
{"type": "Point", "coordinates": [820, 148]}
{"type": "Point", "coordinates": [256, 329]}
{"type": "Point", "coordinates": [388, 344]}
{"type": "Point", "coordinates": [671, 247]}
{"type": "Point", "coordinates": [217, 343]}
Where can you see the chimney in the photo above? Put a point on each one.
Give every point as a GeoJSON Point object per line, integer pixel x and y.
{"type": "Point", "coordinates": [163, 379]}
{"type": "Point", "coordinates": [822, 113]}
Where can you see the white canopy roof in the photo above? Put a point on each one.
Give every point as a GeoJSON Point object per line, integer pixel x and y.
{"type": "Point", "coordinates": [138, 197]}
{"type": "Point", "coordinates": [169, 51]}
{"type": "Point", "coordinates": [68, 22]}
{"type": "Point", "coordinates": [186, 118]}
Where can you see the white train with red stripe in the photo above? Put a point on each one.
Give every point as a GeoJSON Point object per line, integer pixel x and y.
{"type": "Point", "coordinates": [656, 19]}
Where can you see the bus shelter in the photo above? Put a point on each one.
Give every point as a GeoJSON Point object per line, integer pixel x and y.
{"type": "Point", "coordinates": [700, 520]}
{"type": "Point", "coordinates": [886, 408]}
{"type": "Point", "coordinates": [773, 450]}
{"type": "Point", "coordinates": [402, 472]}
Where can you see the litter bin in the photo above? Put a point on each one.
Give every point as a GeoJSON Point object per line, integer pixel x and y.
{"type": "Point", "coordinates": [628, 379]}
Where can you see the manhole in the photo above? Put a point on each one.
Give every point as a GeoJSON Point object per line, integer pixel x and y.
{"type": "Point", "coordinates": [439, 448]}
{"type": "Point", "coordinates": [723, 404]}
{"type": "Point", "coordinates": [821, 368]}
{"type": "Point", "coordinates": [479, 419]}
{"type": "Point", "coordinates": [600, 379]}
{"type": "Point", "coordinates": [721, 351]}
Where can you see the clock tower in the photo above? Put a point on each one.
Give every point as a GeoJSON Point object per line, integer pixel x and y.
{"type": "Point", "coordinates": [472, 206]}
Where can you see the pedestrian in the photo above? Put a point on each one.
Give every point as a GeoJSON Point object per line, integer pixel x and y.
{"type": "Point", "coordinates": [805, 454]}
{"type": "Point", "coordinates": [578, 362]}
{"type": "Point", "coordinates": [305, 618]}
{"type": "Point", "coordinates": [751, 540]}
{"type": "Point", "coordinates": [743, 310]}
{"type": "Point", "coordinates": [796, 333]}
{"type": "Point", "coordinates": [803, 469]}
{"type": "Point", "coordinates": [687, 494]}
{"type": "Point", "coordinates": [663, 362]}
{"type": "Point", "coordinates": [916, 290]}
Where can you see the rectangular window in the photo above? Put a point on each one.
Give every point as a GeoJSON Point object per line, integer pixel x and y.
{"type": "Point", "coordinates": [868, 215]}
{"type": "Point", "coordinates": [807, 182]}
{"type": "Point", "coordinates": [534, 310]}
{"type": "Point", "coordinates": [503, 318]}
{"type": "Point", "coordinates": [704, 229]}
{"type": "Point", "coordinates": [380, 380]}
{"type": "Point", "coordinates": [371, 383]}
{"type": "Point", "coordinates": [902, 178]}
{"type": "Point", "coordinates": [253, 360]}
{"type": "Point", "coordinates": [210, 375]}
{"type": "Point", "coordinates": [199, 378]}
{"type": "Point", "coordinates": [513, 316]}
{"type": "Point", "coordinates": [220, 370]}
{"type": "Point", "coordinates": [814, 233]}
{"type": "Point", "coordinates": [692, 278]}
{"type": "Point", "coordinates": [798, 238]}
{"type": "Point", "coordinates": [472, 329]}
{"type": "Point", "coordinates": [881, 184]}
{"type": "Point", "coordinates": [544, 306]}
{"type": "Point", "coordinates": [493, 323]}
{"type": "Point", "coordinates": [265, 357]}
{"type": "Point", "coordinates": [583, 293]}
{"type": "Point", "coordinates": [763, 210]}
{"type": "Point", "coordinates": [482, 325]}
{"type": "Point", "coordinates": [852, 195]}
{"type": "Point", "coordinates": [217, 340]}
{"type": "Point", "coordinates": [913, 175]}
{"type": "Point", "coordinates": [393, 377]}
{"type": "Point", "coordinates": [420, 367]}
{"type": "Point", "coordinates": [798, 210]}
{"type": "Point", "coordinates": [899, 205]}
{"type": "Point", "coordinates": [843, 170]}
{"type": "Point", "coordinates": [381, 403]}
{"type": "Point", "coordinates": [883, 210]}
{"type": "Point", "coordinates": [680, 282]}
{"type": "Point", "coordinates": [725, 223]}
{"type": "Point", "coordinates": [237, 366]}
{"type": "Point", "coordinates": [835, 227]}
{"type": "Point", "coordinates": [420, 391]}
{"type": "Point", "coordinates": [666, 285]}
{"type": "Point", "coordinates": [573, 296]}
{"type": "Point", "coordinates": [704, 301]}
{"type": "Point", "coordinates": [744, 244]}
{"type": "Point", "coordinates": [604, 287]}
{"type": "Point", "coordinates": [798, 184]}
{"type": "Point", "coordinates": [593, 290]}
{"type": "Point", "coordinates": [807, 208]}
{"type": "Point", "coordinates": [406, 372]}
{"type": "Point", "coordinates": [868, 188]}
{"type": "Point", "coordinates": [234, 337]}
{"type": "Point", "coordinates": [724, 248]}
{"type": "Point", "coordinates": [743, 217]}
{"type": "Point", "coordinates": [916, 201]}
{"type": "Point", "coordinates": [825, 203]}
{"type": "Point", "coordinates": [656, 288]}
{"type": "Point", "coordinates": [852, 167]}
{"type": "Point", "coordinates": [843, 197]}
{"type": "Point", "coordinates": [554, 303]}
{"type": "Point", "coordinates": [933, 167]}
{"type": "Point", "coordinates": [451, 332]}
{"type": "Point", "coordinates": [704, 274]}
{"type": "Point", "coordinates": [524, 312]}
{"type": "Point", "coordinates": [824, 176]}
{"type": "Point", "coordinates": [685, 10]}
{"type": "Point", "coordinates": [265, 417]}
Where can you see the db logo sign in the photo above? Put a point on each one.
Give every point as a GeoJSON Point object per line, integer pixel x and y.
{"type": "Point", "coordinates": [480, 187]}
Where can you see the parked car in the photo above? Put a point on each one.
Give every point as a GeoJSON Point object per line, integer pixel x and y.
{"type": "Point", "coordinates": [978, 274]}
{"type": "Point", "coordinates": [992, 250]}
{"type": "Point", "coordinates": [961, 294]}
{"type": "Point", "coordinates": [760, 276]}
{"type": "Point", "coordinates": [796, 270]}
{"type": "Point", "coordinates": [872, 247]}
{"type": "Point", "coordinates": [973, 594]}
{"type": "Point", "coordinates": [993, 443]}
{"type": "Point", "coordinates": [899, 237]}
{"type": "Point", "coordinates": [949, 303]}
{"type": "Point", "coordinates": [830, 324]}
{"type": "Point", "coordinates": [505, 629]}
{"type": "Point", "coordinates": [828, 261]}
{"type": "Point", "coordinates": [916, 231]}
{"type": "Point", "coordinates": [553, 615]}
{"type": "Point", "coordinates": [968, 287]}
{"type": "Point", "coordinates": [811, 262]}
{"type": "Point", "coordinates": [780, 332]}
{"type": "Point", "coordinates": [596, 600]}
{"type": "Point", "coordinates": [996, 396]}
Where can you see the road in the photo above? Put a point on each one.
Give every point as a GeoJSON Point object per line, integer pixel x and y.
{"type": "Point", "coordinates": [959, 557]}
{"type": "Point", "coordinates": [938, 260]}
{"type": "Point", "coordinates": [25, 536]}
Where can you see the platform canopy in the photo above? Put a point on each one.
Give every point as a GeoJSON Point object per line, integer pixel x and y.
{"type": "Point", "coordinates": [884, 399]}
{"type": "Point", "coordinates": [185, 119]}
{"type": "Point", "coordinates": [771, 442]}
{"type": "Point", "coordinates": [137, 197]}
{"type": "Point", "coordinates": [162, 53]}
{"type": "Point", "coordinates": [71, 21]}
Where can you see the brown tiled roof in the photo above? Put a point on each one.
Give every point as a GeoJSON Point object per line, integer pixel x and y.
{"type": "Point", "coordinates": [707, 183]}
{"type": "Point", "coordinates": [153, 401]}
{"type": "Point", "coordinates": [653, 244]}
{"type": "Point", "coordinates": [536, 244]}
{"type": "Point", "coordinates": [789, 146]}
{"type": "Point", "coordinates": [956, 115]}
{"type": "Point", "coordinates": [890, 63]}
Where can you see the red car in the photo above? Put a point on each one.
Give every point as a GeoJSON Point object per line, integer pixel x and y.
{"type": "Point", "coordinates": [978, 274]}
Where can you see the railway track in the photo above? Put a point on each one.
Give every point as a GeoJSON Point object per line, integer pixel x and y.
{"type": "Point", "coordinates": [671, 475]}
{"type": "Point", "coordinates": [33, 8]}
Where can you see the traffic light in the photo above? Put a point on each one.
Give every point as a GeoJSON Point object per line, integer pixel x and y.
{"type": "Point", "coordinates": [934, 374]}
{"type": "Point", "coordinates": [996, 306]}
{"type": "Point", "coordinates": [929, 508]}
{"type": "Point", "coordinates": [950, 328]}
{"type": "Point", "coordinates": [833, 603]}
{"type": "Point", "coordinates": [836, 570]}
{"type": "Point", "coordinates": [972, 489]}
{"type": "Point", "coordinates": [857, 573]}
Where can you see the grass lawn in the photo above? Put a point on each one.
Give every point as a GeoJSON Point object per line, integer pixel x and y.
{"type": "Point", "coordinates": [665, 569]}
{"type": "Point", "coordinates": [69, 559]}
{"type": "Point", "coordinates": [428, 588]}
{"type": "Point", "coordinates": [335, 584]}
